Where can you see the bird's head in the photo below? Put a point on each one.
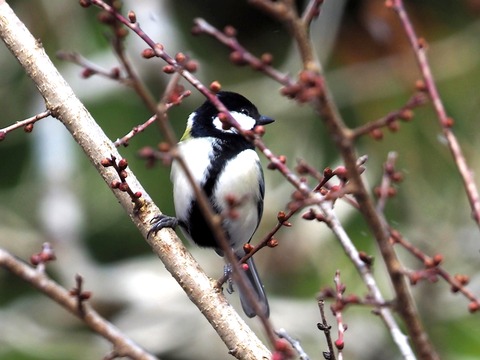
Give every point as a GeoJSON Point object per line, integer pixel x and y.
{"type": "Point", "coordinates": [204, 122]}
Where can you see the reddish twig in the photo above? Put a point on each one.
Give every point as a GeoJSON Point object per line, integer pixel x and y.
{"type": "Point", "coordinates": [337, 311]}
{"type": "Point", "coordinates": [294, 207]}
{"type": "Point", "coordinates": [311, 88]}
{"type": "Point", "coordinates": [90, 69]}
{"type": "Point", "coordinates": [419, 47]}
{"type": "Point", "coordinates": [80, 295]}
{"type": "Point", "coordinates": [286, 12]}
{"type": "Point", "coordinates": [122, 185]}
{"type": "Point", "coordinates": [432, 266]}
{"type": "Point", "coordinates": [239, 54]}
{"type": "Point", "coordinates": [318, 95]}
{"type": "Point", "coordinates": [404, 113]}
{"type": "Point", "coordinates": [363, 267]}
{"type": "Point", "coordinates": [27, 124]}
{"type": "Point", "coordinates": [137, 129]}
{"type": "Point", "coordinates": [311, 12]}
{"type": "Point", "coordinates": [385, 190]}
{"type": "Point", "coordinates": [140, 128]}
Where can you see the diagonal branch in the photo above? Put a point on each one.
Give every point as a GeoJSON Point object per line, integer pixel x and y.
{"type": "Point", "coordinates": [122, 345]}
{"type": "Point", "coordinates": [64, 105]}
{"type": "Point", "coordinates": [322, 102]}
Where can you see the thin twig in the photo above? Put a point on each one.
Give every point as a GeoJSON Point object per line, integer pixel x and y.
{"type": "Point", "coordinates": [322, 101]}
{"type": "Point", "coordinates": [202, 26]}
{"type": "Point", "coordinates": [286, 12]}
{"type": "Point", "coordinates": [325, 328]}
{"type": "Point", "coordinates": [282, 333]}
{"type": "Point", "coordinates": [385, 313]}
{"type": "Point", "coordinates": [386, 183]}
{"type": "Point", "coordinates": [312, 11]}
{"type": "Point", "coordinates": [419, 48]}
{"type": "Point", "coordinates": [457, 282]}
{"type": "Point", "coordinates": [81, 309]}
{"type": "Point", "coordinates": [92, 69]}
{"type": "Point", "coordinates": [23, 123]}
{"type": "Point", "coordinates": [416, 100]}
{"type": "Point", "coordinates": [341, 327]}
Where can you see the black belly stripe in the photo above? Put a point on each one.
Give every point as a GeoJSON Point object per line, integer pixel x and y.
{"type": "Point", "coordinates": [198, 228]}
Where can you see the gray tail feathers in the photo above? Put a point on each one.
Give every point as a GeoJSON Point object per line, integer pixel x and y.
{"type": "Point", "coordinates": [257, 292]}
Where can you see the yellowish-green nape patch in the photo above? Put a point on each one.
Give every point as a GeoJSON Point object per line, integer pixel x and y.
{"type": "Point", "coordinates": [187, 133]}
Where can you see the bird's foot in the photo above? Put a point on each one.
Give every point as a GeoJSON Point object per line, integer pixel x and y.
{"type": "Point", "coordinates": [160, 222]}
{"type": "Point", "coordinates": [227, 272]}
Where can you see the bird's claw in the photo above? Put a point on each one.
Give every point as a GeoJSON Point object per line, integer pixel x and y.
{"type": "Point", "coordinates": [227, 271]}
{"type": "Point", "coordinates": [160, 222]}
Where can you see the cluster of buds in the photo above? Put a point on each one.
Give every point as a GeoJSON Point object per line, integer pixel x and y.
{"type": "Point", "coordinates": [432, 271]}
{"type": "Point", "coordinates": [182, 61]}
{"type": "Point", "coordinates": [242, 58]}
{"type": "Point", "coordinates": [121, 184]}
{"type": "Point", "coordinates": [281, 159]}
{"type": "Point", "coordinates": [176, 95]}
{"type": "Point", "coordinates": [79, 293]}
{"type": "Point", "coordinates": [238, 56]}
{"type": "Point", "coordinates": [310, 86]}
{"type": "Point", "coordinates": [151, 155]}
{"type": "Point", "coordinates": [282, 218]}
{"type": "Point", "coordinates": [394, 176]}
{"type": "Point", "coordinates": [109, 19]}
{"type": "Point", "coordinates": [303, 168]}
{"type": "Point", "coordinates": [430, 274]}
{"type": "Point", "coordinates": [311, 214]}
{"type": "Point", "coordinates": [282, 351]}
{"type": "Point", "coordinates": [47, 254]}
{"type": "Point", "coordinates": [406, 114]}
{"type": "Point", "coordinates": [114, 74]}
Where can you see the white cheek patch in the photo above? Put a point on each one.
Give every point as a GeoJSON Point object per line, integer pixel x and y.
{"type": "Point", "coordinates": [246, 122]}
{"type": "Point", "coordinates": [190, 119]}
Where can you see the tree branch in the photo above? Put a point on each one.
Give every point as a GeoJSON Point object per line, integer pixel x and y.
{"type": "Point", "coordinates": [419, 48]}
{"type": "Point", "coordinates": [122, 345]}
{"type": "Point", "coordinates": [62, 102]}
{"type": "Point", "coordinates": [321, 100]}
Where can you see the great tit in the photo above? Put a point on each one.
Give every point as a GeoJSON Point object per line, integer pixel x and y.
{"type": "Point", "coordinates": [225, 165]}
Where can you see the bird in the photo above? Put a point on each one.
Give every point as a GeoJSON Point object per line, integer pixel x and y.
{"type": "Point", "coordinates": [225, 166]}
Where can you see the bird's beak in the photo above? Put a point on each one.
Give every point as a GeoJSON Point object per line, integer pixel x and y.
{"type": "Point", "coordinates": [264, 120]}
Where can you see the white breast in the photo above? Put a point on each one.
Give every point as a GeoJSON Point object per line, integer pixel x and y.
{"type": "Point", "coordinates": [240, 178]}
{"type": "Point", "coordinates": [197, 153]}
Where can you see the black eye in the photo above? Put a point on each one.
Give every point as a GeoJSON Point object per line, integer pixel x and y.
{"type": "Point", "coordinates": [245, 112]}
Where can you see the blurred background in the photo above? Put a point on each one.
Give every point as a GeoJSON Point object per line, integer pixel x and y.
{"type": "Point", "coordinates": [49, 191]}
